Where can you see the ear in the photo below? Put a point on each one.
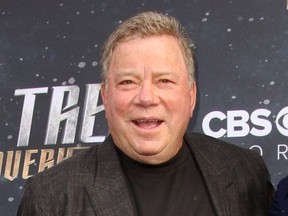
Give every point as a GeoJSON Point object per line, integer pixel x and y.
{"type": "Point", "coordinates": [193, 95]}
{"type": "Point", "coordinates": [103, 94]}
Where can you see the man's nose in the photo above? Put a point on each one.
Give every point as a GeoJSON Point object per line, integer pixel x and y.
{"type": "Point", "coordinates": [147, 94]}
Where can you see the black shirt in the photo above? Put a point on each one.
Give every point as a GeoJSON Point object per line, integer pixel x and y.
{"type": "Point", "coordinates": [174, 188]}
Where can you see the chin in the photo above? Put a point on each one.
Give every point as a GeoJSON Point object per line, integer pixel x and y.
{"type": "Point", "coordinates": [149, 148]}
{"type": "Point", "coordinates": [148, 153]}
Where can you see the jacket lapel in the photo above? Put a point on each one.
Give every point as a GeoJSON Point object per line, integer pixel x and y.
{"type": "Point", "coordinates": [216, 173]}
{"type": "Point", "coordinates": [109, 192]}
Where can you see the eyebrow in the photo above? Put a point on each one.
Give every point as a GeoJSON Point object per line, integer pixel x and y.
{"type": "Point", "coordinates": [126, 74]}
{"type": "Point", "coordinates": [164, 73]}
{"type": "Point", "coordinates": [130, 73]}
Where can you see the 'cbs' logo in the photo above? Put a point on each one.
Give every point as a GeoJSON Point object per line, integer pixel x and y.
{"type": "Point", "coordinates": [240, 123]}
{"type": "Point", "coordinates": [282, 121]}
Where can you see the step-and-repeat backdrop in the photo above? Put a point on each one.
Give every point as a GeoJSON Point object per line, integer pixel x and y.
{"type": "Point", "coordinates": [50, 106]}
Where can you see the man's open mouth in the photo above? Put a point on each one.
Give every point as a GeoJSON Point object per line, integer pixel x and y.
{"type": "Point", "coordinates": [147, 123]}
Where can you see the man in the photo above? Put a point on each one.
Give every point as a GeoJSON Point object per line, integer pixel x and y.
{"type": "Point", "coordinates": [148, 165]}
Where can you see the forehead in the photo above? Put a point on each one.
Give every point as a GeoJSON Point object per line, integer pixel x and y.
{"type": "Point", "coordinates": [162, 40]}
{"type": "Point", "coordinates": [155, 49]}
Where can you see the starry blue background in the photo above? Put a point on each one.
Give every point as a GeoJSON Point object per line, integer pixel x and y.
{"type": "Point", "coordinates": [241, 48]}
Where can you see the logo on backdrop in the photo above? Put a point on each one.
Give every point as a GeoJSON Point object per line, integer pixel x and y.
{"type": "Point", "coordinates": [241, 123]}
{"type": "Point", "coordinates": [64, 108]}
{"type": "Point", "coordinates": [64, 112]}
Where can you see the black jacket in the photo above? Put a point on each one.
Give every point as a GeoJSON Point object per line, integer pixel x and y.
{"type": "Point", "coordinates": [92, 182]}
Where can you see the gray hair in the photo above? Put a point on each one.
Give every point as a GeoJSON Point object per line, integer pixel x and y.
{"type": "Point", "coordinates": [144, 25]}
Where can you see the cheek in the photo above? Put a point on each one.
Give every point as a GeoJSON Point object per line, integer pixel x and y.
{"type": "Point", "coordinates": [118, 103]}
{"type": "Point", "coordinates": [182, 104]}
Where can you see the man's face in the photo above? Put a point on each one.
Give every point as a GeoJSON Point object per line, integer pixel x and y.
{"type": "Point", "coordinates": [148, 99]}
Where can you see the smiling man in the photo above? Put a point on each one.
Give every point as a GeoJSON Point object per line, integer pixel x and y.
{"type": "Point", "coordinates": [148, 98]}
{"type": "Point", "coordinates": [149, 165]}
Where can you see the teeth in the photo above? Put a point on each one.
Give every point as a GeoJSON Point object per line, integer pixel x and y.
{"type": "Point", "coordinates": [141, 121]}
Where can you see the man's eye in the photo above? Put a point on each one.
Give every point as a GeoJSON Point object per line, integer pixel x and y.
{"type": "Point", "coordinates": [126, 82]}
{"type": "Point", "coordinates": [164, 81]}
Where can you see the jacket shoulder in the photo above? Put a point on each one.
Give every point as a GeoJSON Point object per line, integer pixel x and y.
{"type": "Point", "coordinates": [60, 188]}
{"type": "Point", "coordinates": [242, 168]}
{"type": "Point", "coordinates": [222, 154]}
{"type": "Point", "coordinates": [77, 164]}
{"type": "Point", "coordinates": [211, 145]}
